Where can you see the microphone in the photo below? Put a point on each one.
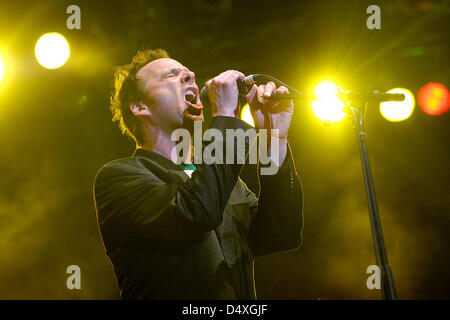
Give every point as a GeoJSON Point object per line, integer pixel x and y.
{"type": "Point", "coordinates": [245, 84]}
{"type": "Point", "coordinates": [375, 96]}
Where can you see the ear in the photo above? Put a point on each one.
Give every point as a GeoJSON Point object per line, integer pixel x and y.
{"type": "Point", "coordinates": [140, 109]}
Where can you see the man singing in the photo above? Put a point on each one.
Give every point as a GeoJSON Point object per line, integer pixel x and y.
{"type": "Point", "coordinates": [174, 233]}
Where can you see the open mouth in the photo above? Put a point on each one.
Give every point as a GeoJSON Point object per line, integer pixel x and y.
{"type": "Point", "coordinates": [190, 96]}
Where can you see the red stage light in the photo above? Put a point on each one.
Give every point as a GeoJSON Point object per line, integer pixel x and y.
{"type": "Point", "coordinates": [434, 98]}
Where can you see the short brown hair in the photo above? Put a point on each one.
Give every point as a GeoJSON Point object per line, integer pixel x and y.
{"type": "Point", "coordinates": [127, 89]}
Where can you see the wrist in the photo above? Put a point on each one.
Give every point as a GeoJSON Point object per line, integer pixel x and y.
{"type": "Point", "coordinates": [275, 136]}
{"type": "Point", "coordinates": [281, 141]}
{"type": "Point", "coordinates": [224, 114]}
{"type": "Point", "coordinates": [278, 150]}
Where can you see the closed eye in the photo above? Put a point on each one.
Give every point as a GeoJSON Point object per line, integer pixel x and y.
{"type": "Point", "coordinates": [173, 72]}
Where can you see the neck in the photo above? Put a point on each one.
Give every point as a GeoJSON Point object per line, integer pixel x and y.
{"type": "Point", "coordinates": [159, 141]}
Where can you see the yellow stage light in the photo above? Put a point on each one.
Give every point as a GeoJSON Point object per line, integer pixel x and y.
{"type": "Point", "coordinates": [52, 50]}
{"type": "Point", "coordinates": [246, 115]}
{"type": "Point", "coordinates": [2, 68]}
{"type": "Point", "coordinates": [398, 110]}
{"type": "Point", "coordinates": [328, 107]}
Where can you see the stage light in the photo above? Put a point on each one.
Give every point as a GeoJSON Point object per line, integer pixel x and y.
{"type": "Point", "coordinates": [328, 107]}
{"type": "Point", "coordinates": [434, 98]}
{"type": "Point", "coordinates": [398, 110]}
{"type": "Point", "coordinates": [246, 115]}
{"type": "Point", "coordinates": [2, 68]}
{"type": "Point", "coordinates": [52, 50]}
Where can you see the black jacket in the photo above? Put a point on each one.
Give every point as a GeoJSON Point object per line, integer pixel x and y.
{"type": "Point", "coordinates": [169, 236]}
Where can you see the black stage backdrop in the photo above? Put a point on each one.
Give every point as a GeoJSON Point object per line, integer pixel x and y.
{"type": "Point", "coordinates": [56, 132]}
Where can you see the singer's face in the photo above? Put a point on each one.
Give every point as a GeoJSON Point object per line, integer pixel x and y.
{"type": "Point", "coordinates": [169, 86]}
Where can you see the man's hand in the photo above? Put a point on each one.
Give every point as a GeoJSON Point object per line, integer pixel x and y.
{"type": "Point", "coordinates": [272, 114]}
{"type": "Point", "coordinates": [223, 93]}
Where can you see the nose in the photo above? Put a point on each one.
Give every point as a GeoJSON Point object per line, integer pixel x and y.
{"type": "Point", "coordinates": [187, 77]}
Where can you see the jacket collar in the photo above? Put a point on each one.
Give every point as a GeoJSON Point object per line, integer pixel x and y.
{"type": "Point", "coordinates": [163, 161]}
{"type": "Point", "coordinates": [156, 157]}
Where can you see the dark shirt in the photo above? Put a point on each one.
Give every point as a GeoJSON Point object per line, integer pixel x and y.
{"type": "Point", "coordinates": [169, 236]}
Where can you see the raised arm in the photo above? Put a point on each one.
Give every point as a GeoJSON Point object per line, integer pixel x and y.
{"type": "Point", "coordinates": [277, 221]}
{"type": "Point", "coordinates": [277, 218]}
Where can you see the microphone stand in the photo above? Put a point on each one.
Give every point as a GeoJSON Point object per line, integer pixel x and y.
{"type": "Point", "coordinates": [358, 111]}
{"type": "Point", "coordinates": [356, 104]}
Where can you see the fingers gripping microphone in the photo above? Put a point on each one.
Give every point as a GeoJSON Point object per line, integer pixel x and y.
{"type": "Point", "coordinates": [243, 85]}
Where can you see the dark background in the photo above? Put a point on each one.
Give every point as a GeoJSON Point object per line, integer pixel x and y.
{"type": "Point", "coordinates": [56, 132]}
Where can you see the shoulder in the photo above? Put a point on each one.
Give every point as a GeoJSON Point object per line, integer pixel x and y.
{"type": "Point", "coordinates": [116, 165]}
{"type": "Point", "coordinates": [130, 166]}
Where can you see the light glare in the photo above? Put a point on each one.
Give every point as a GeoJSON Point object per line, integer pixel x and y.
{"type": "Point", "coordinates": [434, 98]}
{"type": "Point", "coordinates": [398, 110]}
{"type": "Point", "coordinates": [2, 68]}
{"type": "Point", "coordinates": [246, 115]}
{"type": "Point", "coordinates": [328, 107]}
{"type": "Point", "coordinates": [52, 50]}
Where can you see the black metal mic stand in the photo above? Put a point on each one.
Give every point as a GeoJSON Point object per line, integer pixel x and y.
{"type": "Point", "coordinates": [358, 111]}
